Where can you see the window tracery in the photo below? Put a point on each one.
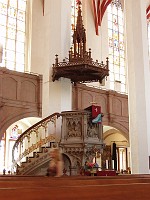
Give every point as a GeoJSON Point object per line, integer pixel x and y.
{"type": "Point", "coordinates": [117, 67]}
{"type": "Point", "coordinates": [74, 13]}
{"type": "Point", "coordinates": [12, 35]}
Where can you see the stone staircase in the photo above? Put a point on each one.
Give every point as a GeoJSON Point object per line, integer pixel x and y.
{"type": "Point", "coordinates": [77, 137]}
{"type": "Point", "coordinates": [31, 150]}
{"type": "Point", "coordinates": [37, 164]}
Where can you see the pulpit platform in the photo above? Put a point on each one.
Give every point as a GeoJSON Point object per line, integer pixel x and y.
{"type": "Point", "coordinates": [119, 187]}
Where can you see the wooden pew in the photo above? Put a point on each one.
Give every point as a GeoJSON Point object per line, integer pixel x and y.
{"type": "Point", "coordinates": [135, 187]}
{"type": "Point", "coordinates": [106, 173]}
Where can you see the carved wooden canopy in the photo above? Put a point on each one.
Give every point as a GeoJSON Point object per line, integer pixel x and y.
{"type": "Point", "coordinates": [80, 66]}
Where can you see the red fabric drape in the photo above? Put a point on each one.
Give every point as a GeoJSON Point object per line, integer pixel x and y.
{"type": "Point", "coordinates": [99, 8]}
{"type": "Point", "coordinates": [148, 12]}
{"type": "Point", "coordinates": [104, 7]}
{"type": "Point", "coordinates": [43, 7]}
{"type": "Point", "coordinates": [95, 111]}
{"type": "Point", "coordinates": [95, 16]}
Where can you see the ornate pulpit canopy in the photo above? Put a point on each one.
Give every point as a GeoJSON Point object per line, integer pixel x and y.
{"type": "Point", "coordinates": [80, 66]}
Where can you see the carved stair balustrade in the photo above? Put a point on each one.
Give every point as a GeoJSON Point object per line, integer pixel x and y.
{"type": "Point", "coordinates": [33, 142]}
{"type": "Point", "coordinates": [79, 140]}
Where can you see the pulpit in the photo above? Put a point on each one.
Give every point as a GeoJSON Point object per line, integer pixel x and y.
{"type": "Point", "coordinates": [81, 140]}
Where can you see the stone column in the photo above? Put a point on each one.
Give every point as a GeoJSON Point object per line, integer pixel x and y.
{"type": "Point", "coordinates": [138, 84]}
{"type": "Point", "coordinates": [51, 35]}
{"type": "Point", "coordinates": [73, 170]}
{"type": "Point", "coordinates": [60, 92]}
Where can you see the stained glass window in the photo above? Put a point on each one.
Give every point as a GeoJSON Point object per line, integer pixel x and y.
{"type": "Point", "coordinates": [117, 68]}
{"type": "Point", "coordinates": [12, 34]}
{"type": "Point", "coordinates": [74, 13]}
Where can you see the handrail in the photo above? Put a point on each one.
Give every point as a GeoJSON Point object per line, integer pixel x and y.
{"type": "Point", "coordinates": [35, 137]}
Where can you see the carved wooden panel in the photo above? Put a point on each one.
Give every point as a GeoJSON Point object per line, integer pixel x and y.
{"type": "Point", "coordinates": [114, 105]}
{"type": "Point", "coordinates": [29, 91]}
{"type": "Point", "coordinates": [106, 155]}
{"type": "Point", "coordinates": [102, 101]}
{"type": "Point", "coordinates": [9, 88]}
{"type": "Point", "coordinates": [20, 97]}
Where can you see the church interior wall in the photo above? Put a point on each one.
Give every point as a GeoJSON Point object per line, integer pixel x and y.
{"type": "Point", "coordinates": [114, 106]}
{"type": "Point", "coordinates": [49, 38]}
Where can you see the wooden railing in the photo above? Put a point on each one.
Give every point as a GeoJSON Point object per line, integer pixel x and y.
{"type": "Point", "coordinates": [37, 136]}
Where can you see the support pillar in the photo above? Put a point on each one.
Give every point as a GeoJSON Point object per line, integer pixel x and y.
{"type": "Point", "coordinates": [138, 84]}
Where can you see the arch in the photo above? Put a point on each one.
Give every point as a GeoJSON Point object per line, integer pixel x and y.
{"type": "Point", "coordinates": [9, 121]}
{"type": "Point", "coordinates": [67, 164]}
{"type": "Point", "coordinates": [124, 129]}
{"type": "Point", "coordinates": [113, 130]}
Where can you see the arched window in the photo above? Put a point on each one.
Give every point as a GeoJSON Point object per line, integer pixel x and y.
{"type": "Point", "coordinates": [117, 75]}
{"type": "Point", "coordinates": [12, 33]}
{"type": "Point", "coordinates": [74, 13]}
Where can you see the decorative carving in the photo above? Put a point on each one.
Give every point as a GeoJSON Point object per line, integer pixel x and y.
{"type": "Point", "coordinates": [91, 131]}
{"type": "Point", "coordinates": [82, 140]}
{"type": "Point", "coordinates": [74, 150]}
{"type": "Point", "coordinates": [80, 67]}
{"type": "Point", "coordinates": [74, 127]}
{"type": "Point", "coordinates": [34, 131]}
{"type": "Point", "coordinates": [106, 155]}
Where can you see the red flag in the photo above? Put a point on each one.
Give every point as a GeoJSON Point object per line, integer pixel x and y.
{"type": "Point", "coordinates": [78, 2]}
{"type": "Point", "coordinates": [148, 12]}
{"type": "Point", "coordinates": [99, 10]}
{"type": "Point", "coordinates": [43, 6]}
{"type": "Point", "coordinates": [96, 110]}
{"type": "Point", "coordinates": [104, 6]}
{"type": "Point", "coordinates": [96, 15]}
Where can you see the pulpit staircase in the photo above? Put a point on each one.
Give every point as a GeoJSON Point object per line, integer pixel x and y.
{"type": "Point", "coordinates": [72, 131]}
{"type": "Point", "coordinates": [30, 154]}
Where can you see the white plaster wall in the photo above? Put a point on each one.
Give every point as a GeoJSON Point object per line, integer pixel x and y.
{"type": "Point", "coordinates": [116, 137]}
{"type": "Point", "coordinates": [147, 81]}
{"type": "Point", "coordinates": [97, 43]}
{"type": "Point", "coordinates": [59, 98]}
{"type": "Point", "coordinates": [60, 92]}
{"type": "Point", "coordinates": [138, 80]}
{"type": "Point", "coordinates": [51, 36]}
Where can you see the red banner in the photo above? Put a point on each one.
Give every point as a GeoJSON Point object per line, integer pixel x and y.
{"type": "Point", "coordinates": [99, 10]}
{"type": "Point", "coordinates": [148, 12]}
{"type": "Point", "coordinates": [96, 110]}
